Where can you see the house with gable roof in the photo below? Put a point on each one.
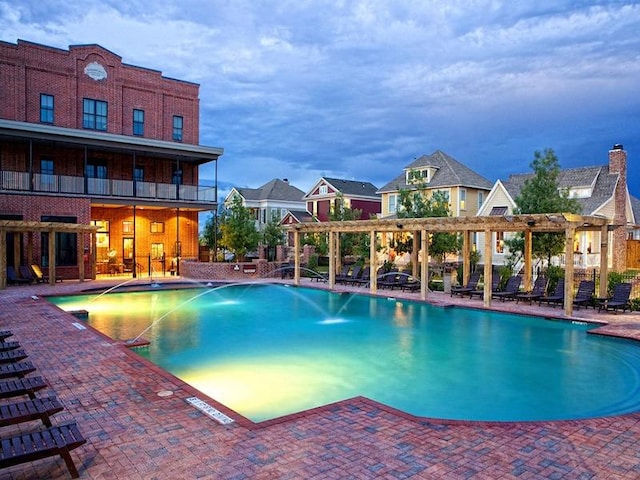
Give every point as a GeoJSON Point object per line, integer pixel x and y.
{"type": "Point", "coordinates": [438, 172]}
{"type": "Point", "coordinates": [271, 201]}
{"type": "Point", "coordinates": [356, 194]}
{"type": "Point", "coordinates": [601, 190]}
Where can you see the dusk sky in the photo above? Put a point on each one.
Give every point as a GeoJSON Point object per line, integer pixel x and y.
{"type": "Point", "coordinates": [358, 89]}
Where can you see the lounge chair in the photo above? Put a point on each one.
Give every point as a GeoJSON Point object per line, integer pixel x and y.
{"type": "Point", "coordinates": [12, 356]}
{"type": "Point", "coordinates": [6, 346]}
{"type": "Point", "coordinates": [344, 274]}
{"type": "Point", "coordinates": [13, 278]}
{"type": "Point", "coordinates": [41, 277]}
{"type": "Point", "coordinates": [27, 447]}
{"type": "Point", "coordinates": [411, 285]}
{"type": "Point", "coordinates": [26, 273]}
{"type": "Point", "coordinates": [21, 386]}
{"type": "Point", "coordinates": [471, 285]}
{"type": "Point", "coordinates": [36, 409]}
{"type": "Point", "coordinates": [539, 289]}
{"type": "Point", "coordinates": [557, 297]}
{"type": "Point", "coordinates": [620, 298]}
{"type": "Point", "coordinates": [364, 278]}
{"type": "Point", "coordinates": [389, 279]}
{"type": "Point", "coordinates": [18, 369]}
{"type": "Point", "coordinates": [495, 288]}
{"type": "Point", "coordinates": [355, 274]}
{"type": "Point", "coordinates": [511, 289]}
{"type": "Point", "coordinates": [584, 296]}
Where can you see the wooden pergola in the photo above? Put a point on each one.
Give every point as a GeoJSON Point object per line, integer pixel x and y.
{"type": "Point", "coordinates": [19, 226]}
{"type": "Point", "coordinates": [565, 223]}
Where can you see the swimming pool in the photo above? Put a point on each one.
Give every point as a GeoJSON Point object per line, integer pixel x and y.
{"type": "Point", "coordinates": [271, 350]}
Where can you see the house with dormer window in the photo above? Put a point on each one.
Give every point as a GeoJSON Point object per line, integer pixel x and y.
{"type": "Point", "coordinates": [465, 189]}
{"type": "Point", "coordinates": [355, 194]}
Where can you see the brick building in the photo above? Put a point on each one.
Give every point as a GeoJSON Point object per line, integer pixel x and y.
{"type": "Point", "coordinates": [86, 139]}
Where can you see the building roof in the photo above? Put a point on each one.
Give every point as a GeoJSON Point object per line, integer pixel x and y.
{"type": "Point", "coordinates": [448, 173]}
{"type": "Point", "coordinates": [353, 187]}
{"type": "Point", "coordinates": [302, 216]}
{"type": "Point", "coordinates": [597, 178]}
{"type": "Point", "coordinates": [276, 189]}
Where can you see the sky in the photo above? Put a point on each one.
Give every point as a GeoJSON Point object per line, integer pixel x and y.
{"type": "Point", "coordinates": [358, 89]}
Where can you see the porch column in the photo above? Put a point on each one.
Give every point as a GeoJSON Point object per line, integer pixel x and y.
{"type": "Point", "coordinates": [424, 266]}
{"type": "Point", "coordinates": [568, 271]}
{"type": "Point", "coordinates": [296, 257]}
{"type": "Point", "coordinates": [604, 261]}
{"type": "Point", "coordinates": [52, 257]}
{"type": "Point", "coordinates": [332, 259]}
{"type": "Point", "coordinates": [373, 263]}
{"type": "Point", "coordinates": [528, 247]}
{"type": "Point", "coordinates": [488, 267]}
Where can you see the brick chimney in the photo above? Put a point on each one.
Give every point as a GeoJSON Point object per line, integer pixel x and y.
{"type": "Point", "coordinates": [618, 164]}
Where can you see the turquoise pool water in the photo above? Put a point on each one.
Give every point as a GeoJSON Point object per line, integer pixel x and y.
{"type": "Point", "coordinates": [270, 350]}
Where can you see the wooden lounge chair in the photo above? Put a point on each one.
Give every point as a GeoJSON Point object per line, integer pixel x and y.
{"type": "Point", "coordinates": [12, 356]}
{"type": "Point", "coordinates": [18, 369]}
{"type": "Point", "coordinates": [511, 289]}
{"type": "Point", "coordinates": [21, 386]}
{"type": "Point", "coordinates": [36, 409]}
{"type": "Point", "coordinates": [620, 298]}
{"type": "Point", "coordinates": [13, 278]}
{"type": "Point", "coordinates": [471, 285]}
{"type": "Point", "coordinates": [556, 297]}
{"type": "Point", "coordinates": [539, 289]}
{"type": "Point", "coordinates": [584, 296]}
{"type": "Point", "coordinates": [41, 277]}
{"type": "Point", "coordinates": [59, 440]}
{"type": "Point", "coordinates": [7, 346]}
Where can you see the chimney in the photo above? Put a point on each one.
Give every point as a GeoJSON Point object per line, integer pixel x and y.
{"type": "Point", "coordinates": [618, 164]}
{"type": "Point", "coordinates": [286, 180]}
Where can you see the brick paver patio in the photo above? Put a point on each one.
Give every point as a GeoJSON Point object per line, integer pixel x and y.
{"type": "Point", "coordinates": [132, 432]}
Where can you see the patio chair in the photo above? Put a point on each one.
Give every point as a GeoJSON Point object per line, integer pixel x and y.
{"type": "Point", "coordinates": [36, 409]}
{"type": "Point", "coordinates": [584, 296]}
{"type": "Point", "coordinates": [511, 289]}
{"type": "Point", "coordinates": [364, 278]}
{"type": "Point", "coordinates": [25, 272]}
{"type": "Point", "coordinates": [620, 298]}
{"type": "Point", "coordinates": [18, 369]}
{"type": "Point", "coordinates": [471, 285]}
{"type": "Point", "coordinates": [344, 274]}
{"type": "Point", "coordinates": [355, 274]}
{"type": "Point", "coordinates": [388, 280]}
{"type": "Point", "coordinates": [21, 386]}
{"type": "Point", "coordinates": [556, 297]}
{"type": "Point", "coordinates": [411, 285]}
{"type": "Point", "coordinates": [12, 356]}
{"type": "Point", "coordinates": [39, 276]}
{"type": "Point", "coordinates": [13, 278]}
{"type": "Point", "coordinates": [27, 447]}
{"type": "Point", "coordinates": [495, 288]}
{"type": "Point", "coordinates": [539, 289]}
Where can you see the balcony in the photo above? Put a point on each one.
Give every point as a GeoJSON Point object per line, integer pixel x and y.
{"type": "Point", "coordinates": [98, 187]}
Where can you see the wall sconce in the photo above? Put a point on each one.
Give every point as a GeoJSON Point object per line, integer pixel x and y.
{"type": "Point", "coordinates": [399, 225]}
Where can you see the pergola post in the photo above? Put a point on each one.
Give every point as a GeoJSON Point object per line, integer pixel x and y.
{"type": "Point", "coordinates": [488, 266]}
{"type": "Point", "coordinates": [568, 271]}
{"type": "Point", "coordinates": [80, 256]}
{"type": "Point", "coordinates": [373, 263]}
{"type": "Point", "coordinates": [604, 261]}
{"type": "Point", "coordinates": [414, 253]}
{"type": "Point", "coordinates": [466, 257]}
{"type": "Point", "coordinates": [424, 265]}
{"type": "Point", "coordinates": [528, 247]}
{"type": "Point", "coordinates": [296, 257]}
{"type": "Point", "coordinates": [52, 257]}
{"type": "Point", "coordinates": [332, 259]}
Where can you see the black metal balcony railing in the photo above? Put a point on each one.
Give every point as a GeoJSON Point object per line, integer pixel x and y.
{"type": "Point", "coordinates": [69, 185]}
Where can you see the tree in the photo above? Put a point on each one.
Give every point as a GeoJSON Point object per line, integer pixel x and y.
{"type": "Point", "coordinates": [542, 194]}
{"type": "Point", "coordinates": [238, 229]}
{"type": "Point", "coordinates": [418, 204]}
{"type": "Point", "coordinates": [272, 236]}
{"type": "Point", "coordinates": [210, 233]}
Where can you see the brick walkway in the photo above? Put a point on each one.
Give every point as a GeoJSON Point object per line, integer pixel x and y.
{"type": "Point", "coordinates": [132, 432]}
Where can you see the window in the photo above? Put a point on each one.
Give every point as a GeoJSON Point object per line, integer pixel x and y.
{"type": "Point", "coordinates": [323, 190]}
{"type": "Point", "coordinates": [480, 199]}
{"type": "Point", "coordinates": [463, 199]}
{"type": "Point", "coordinates": [157, 227]}
{"type": "Point", "coordinates": [393, 203]}
{"type": "Point", "coordinates": [102, 239]}
{"type": "Point", "coordinates": [96, 169]}
{"type": "Point", "coordinates": [499, 242]}
{"type": "Point", "coordinates": [138, 174]}
{"type": "Point", "coordinates": [94, 114]}
{"type": "Point", "coordinates": [46, 108]}
{"type": "Point", "coordinates": [157, 251]}
{"type": "Point", "coordinates": [46, 166]}
{"type": "Point", "coordinates": [138, 122]}
{"type": "Point", "coordinates": [127, 226]}
{"type": "Point", "coordinates": [497, 211]}
{"type": "Point", "coordinates": [177, 128]}
{"type": "Point", "coordinates": [66, 243]}
{"type": "Point", "coordinates": [176, 177]}
{"type": "Point", "coordinates": [418, 176]}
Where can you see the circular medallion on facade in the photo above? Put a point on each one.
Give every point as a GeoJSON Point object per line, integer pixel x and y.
{"type": "Point", "coordinates": [95, 71]}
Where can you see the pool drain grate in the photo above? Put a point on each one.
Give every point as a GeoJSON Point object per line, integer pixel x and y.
{"type": "Point", "coordinates": [208, 410]}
